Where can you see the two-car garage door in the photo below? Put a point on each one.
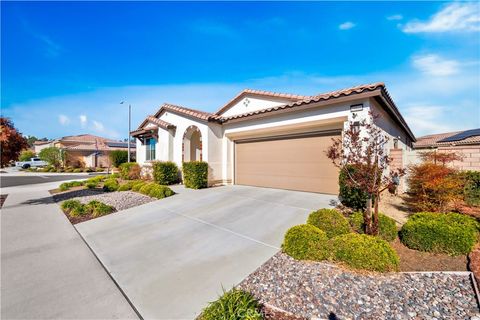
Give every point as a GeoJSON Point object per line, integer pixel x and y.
{"type": "Point", "coordinates": [296, 162]}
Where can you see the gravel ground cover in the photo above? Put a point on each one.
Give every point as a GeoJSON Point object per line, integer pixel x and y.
{"type": "Point", "coordinates": [120, 200]}
{"type": "Point", "coordinates": [321, 291]}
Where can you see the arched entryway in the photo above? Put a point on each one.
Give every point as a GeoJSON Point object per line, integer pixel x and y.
{"type": "Point", "coordinates": [192, 144]}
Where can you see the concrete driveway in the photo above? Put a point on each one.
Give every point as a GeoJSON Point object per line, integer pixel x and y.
{"type": "Point", "coordinates": [172, 256]}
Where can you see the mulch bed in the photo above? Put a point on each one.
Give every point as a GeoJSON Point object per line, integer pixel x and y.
{"type": "Point", "coordinates": [320, 290]}
{"type": "Point", "coordinates": [413, 260]}
{"type": "Point", "coordinates": [3, 197]}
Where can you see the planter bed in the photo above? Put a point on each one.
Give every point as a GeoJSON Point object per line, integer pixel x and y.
{"type": "Point", "coordinates": [119, 200]}
{"type": "Point", "coordinates": [320, 290]}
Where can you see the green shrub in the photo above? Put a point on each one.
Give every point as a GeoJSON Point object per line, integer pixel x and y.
{"type": "Point", "coordinates": [450, 233]}
{"type": "Point", "coordinates": [68, 169]}
{"type": "Point", "coordinates": [111, 184]}
{"type": "Point", "coordinates": [195, 174]}
{"type": "Point", "coordinates": [160, 192]}
{"type": "Point", "coordinates": [127, 186]}
{"type": "Point", "coordinates": [471, 189]}
{"type": "Point", "coordinates": [232, 305]}
{"type": "Point", "coordinates": [91, 185]}
{"type": "Point", "coordinates": [118, 157]}
{"type": "Point", "coordinates": [97, 208]}
{"type": "Point", "coordinates": [26, 155]}
{"type": "Point", "coordinates": [165, 172]}
{"type": "Point", "coordinates": [77, 170]}
{"type": "Point", "coordinates": [137, 185]}
{"type": "Point", "coordinates": [332, 222]}
{"type": "Point", "coordinates": [99, 169]}
{"type": "Point", "coordinates": [89, 169]}
{"type": "Point", "coordinates": [77, 211]}
{"type": "Point", "coordinates": [145, 189]}
{"type": "Point", "coordinates": [365, 252]}
{"type": "Point", "coordinates": [387, 227]}
{"type": "Point", "coordinates": [68, 205]}
{"type": "Point", "coordinates": [350, 196]}
{"type": "Point", "coordinates": [306, 242]}
{"type": "Point", "coordinates": [67, 185]}
{"type": "Point", "coordinates": [130, 171]}
{"type": "Point", "coordinates": [52, 155]}
{"type": "Point", "coordinates": [60, 170]}
{"type": "Point", "coordinates": [97, 179]}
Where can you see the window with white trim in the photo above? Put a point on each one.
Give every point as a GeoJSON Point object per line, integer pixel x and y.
{"type": "Point", "coordinates": [150, 148]}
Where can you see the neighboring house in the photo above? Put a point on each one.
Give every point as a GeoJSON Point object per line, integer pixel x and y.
{"type": "Point", "coordinates": [268, 139]}
{"type": "Point", "coordinates": [466, 143]}
{"type": "Point", "coordinates": [85, 150]}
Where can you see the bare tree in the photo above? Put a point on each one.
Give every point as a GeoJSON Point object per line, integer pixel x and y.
{"type": "Point", "coordinates": [364, 148]}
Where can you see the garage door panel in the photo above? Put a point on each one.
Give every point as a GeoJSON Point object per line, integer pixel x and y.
{"type": "Point", "coordinates": [293, 163]}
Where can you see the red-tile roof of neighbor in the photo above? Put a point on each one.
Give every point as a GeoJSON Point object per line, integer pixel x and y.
{"type": "Point", "coordinates": [89, 142]}
{"type": "Point", "coordinates": [160, 123]}
{"type": "Point", "coordinates": [435, 140]}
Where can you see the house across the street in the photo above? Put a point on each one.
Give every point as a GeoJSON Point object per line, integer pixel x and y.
{"type": "Point", "coordinates": [85, 150]}
{"type": "Point", "coordinates": [268, 139]}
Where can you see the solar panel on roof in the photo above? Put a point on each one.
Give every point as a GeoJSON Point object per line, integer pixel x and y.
{"type": "Point", "coordinates": [462, 135]}
{"type": "Point", "coordinates": [117, 144]}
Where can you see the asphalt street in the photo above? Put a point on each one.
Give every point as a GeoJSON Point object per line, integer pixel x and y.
{"type": "Point", "coordinates": [13, 181]}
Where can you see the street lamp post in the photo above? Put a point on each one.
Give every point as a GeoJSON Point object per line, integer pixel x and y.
{"type": "Point", "coordinates": [129, 128]}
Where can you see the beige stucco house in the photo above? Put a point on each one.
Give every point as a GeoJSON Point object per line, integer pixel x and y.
{"type": "Point", "coordinates": [268, 139]}
{"type": "Point", "coordinates": [85, 150]}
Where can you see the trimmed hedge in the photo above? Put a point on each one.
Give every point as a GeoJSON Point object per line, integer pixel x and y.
{"type": "Point", "coordinates": [387, 227]}
{"type": "Point", "coordinates": [117, 157]}
{"type": "Point", "coordinates": [471, 189]}
{"type": "Point", "coordinates": [332, 222]}
{"type": "Point", "coordinates": [195, 174]}
{"type": "Point", "coordinates": [165, 172]}
{"type": "Point", "coordinates": [232, 305]}
{"type": "Point", "coordinates": [111, 184]}
{"type": "Point", "coordinates": [449, 233]}
{"type": "Point", "coordinates": [306, 242]}
{"type": "Point", "coordinates": [364, 252]}
{"type": "Point", "coordinates": [129, 171]}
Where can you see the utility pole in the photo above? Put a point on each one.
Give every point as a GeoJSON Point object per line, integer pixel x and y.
{"type": "Point", "coordinates": [129, 128]}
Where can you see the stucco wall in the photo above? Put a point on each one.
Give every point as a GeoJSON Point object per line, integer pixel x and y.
{"type": "Point", "coordinates": [250, 103]}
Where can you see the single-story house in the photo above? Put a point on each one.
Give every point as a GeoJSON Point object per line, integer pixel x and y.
{"type": "Point", "coordinates": [85, 150]}
{"type": "Point", "coordinates": [466, 143]}
{"type": "Point", "coordinates": [268, 139]}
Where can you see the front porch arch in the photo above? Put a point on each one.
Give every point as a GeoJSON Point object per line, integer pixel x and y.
{"type": "Point", "coordinates": [192, 144]}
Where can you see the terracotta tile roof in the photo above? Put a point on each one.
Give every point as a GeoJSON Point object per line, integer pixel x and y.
{"type": "Point", "coordinates": [160, 123]}
{"type": "Point", "coordinates": [288, 96]}
{"type": "Point", "coordinates": [435, 140]}
{"type": "Point", "coordinates": [312, 99]}
{"type": "Point", "coordinates": [40, 142]}
{"type": "Point", "coordinates": [88, 142]}
{"type": "Point", "coordinates": [202, 115]}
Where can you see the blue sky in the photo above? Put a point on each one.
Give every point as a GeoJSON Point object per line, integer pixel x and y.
{"type": "Point", "coordinates": [66, 66]}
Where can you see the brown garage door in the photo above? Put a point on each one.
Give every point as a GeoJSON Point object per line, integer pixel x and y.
{"type": "Point", "coordinates": [294, 163]}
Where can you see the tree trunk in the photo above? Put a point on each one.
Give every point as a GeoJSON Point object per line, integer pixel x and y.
{"type": "Point", "coordinates": [375, 216]}
{"type": "Point", "coordinates": [367, 217]}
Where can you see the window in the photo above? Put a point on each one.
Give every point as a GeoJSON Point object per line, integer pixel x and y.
{"type": "Point", "coordinates": [150, 147]}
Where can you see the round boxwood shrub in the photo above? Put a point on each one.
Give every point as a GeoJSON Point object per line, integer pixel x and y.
{"type": "Point", "coordinates": [195, 174]}
{"type": "Point", "coordinates": [145, 189]}
{"type": "Point", "coordinates": [450, 233]}
{"type": "Point", "coordinates": [365, 252]}
{"type": "Point", "coordinates": [160, 192]}
{"type": "Point", "coordinates": [306, 242]}
{"type": "Point", "coordinates": [111, 184]}
{"type": "Point", "coordinates": [386, 225]}
{"type": "Point", "coordinates": [137, 185]}
{"type": "Point", "coordinates": [234, 304]}
{"type": "Point", "coordinates": [332, 222]}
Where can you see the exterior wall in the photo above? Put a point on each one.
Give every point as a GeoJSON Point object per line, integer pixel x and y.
{"type": "Point", "coordinates": [390, 127]}
{"type": "Point", "coordinates": [470, 154]}
{"type": "Point", "coordinates": [76, 158]}
{"type": "Point", "coordinates": [216, 154]}
{"type": "Point", "coordinates": [250, 103]}
{"type": "Point", "coordinates": [38, 148]}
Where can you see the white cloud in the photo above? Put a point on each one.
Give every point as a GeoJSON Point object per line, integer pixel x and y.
{"type": "Point", "coordinates": [434, 65]}
{"type": "Point", "coordinates": [424, 119]}
{"type": "Point", "coordinates": [453, 17]}
{"type": "Point", "coordinates": [395, 17]}
{"type": "Point", "coordinates": [98, 126]}
{"type": "Point", "coordinates": [63, 119]}
{"type": "Point", "coordinates": [83, 120]}
{"type": "Point", "coordinates": [346, 25]}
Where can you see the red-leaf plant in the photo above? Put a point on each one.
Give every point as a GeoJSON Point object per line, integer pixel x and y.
{"type": "Point", "coordinates": [364, 147]}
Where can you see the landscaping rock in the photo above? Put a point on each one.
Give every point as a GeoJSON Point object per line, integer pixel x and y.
{"type": "Point", "coordinates": [119, 200]}
{"type": "Point", "coordinates": [319, 290]}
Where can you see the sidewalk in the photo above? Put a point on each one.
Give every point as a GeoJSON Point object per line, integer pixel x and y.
{"type": "Point", "coordinates": [47, 271]}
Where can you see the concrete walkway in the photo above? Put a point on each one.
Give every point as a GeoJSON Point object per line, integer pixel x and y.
{"type": "Point", "coordinates": [172, 256]}
{"type": "Point", "coordinates": [47, 271]}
